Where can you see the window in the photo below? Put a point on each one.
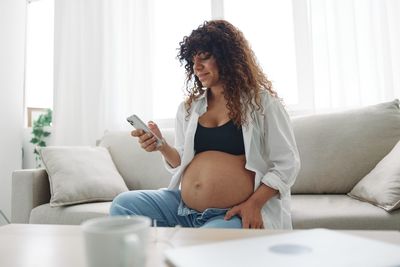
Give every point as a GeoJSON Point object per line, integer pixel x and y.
{"type": "Point", "coordinates": [268, 25]}
{"type": "Point", "coordinates": [170, 28]}
{"type": "Point", "coordinates": [39, 56]}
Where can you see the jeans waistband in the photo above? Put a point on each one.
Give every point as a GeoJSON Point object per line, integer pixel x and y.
{"type": "Point", "coordinates": [184, 210]}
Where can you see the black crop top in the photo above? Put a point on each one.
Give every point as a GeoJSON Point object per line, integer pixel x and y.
{"type": "Point", "coordinates": [226, 138]}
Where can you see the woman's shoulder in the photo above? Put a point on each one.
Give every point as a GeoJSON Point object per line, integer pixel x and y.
{"type": "Point", "coordinates": [267, 98]}
{"type": "Point", "coordinates": [187, 107]}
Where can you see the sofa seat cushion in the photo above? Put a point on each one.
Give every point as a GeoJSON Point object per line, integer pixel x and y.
{"type": "Point", "coordinates": [340, 212]}
{"type": "Point", "coordinates": [75, 214]}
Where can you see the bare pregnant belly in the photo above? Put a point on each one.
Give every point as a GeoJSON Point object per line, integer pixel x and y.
{"type": "Point", "coordinates": [216, 180]}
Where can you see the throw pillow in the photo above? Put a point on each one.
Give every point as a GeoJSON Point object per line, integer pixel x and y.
{"type": "Point", "coordinates": [381, 186]}
{"type": "Point", "coordinates": [81, 174]}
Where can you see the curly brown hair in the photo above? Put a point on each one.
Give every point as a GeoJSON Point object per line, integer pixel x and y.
{"type": "Point", "coordinates": [239, 71]}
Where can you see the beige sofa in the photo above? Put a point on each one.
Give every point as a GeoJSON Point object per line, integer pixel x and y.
{"type": "Point", "coordinates": [336, 150]}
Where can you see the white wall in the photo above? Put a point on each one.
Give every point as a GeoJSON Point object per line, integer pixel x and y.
{"type": "Point", "coordinates": [12, 52]}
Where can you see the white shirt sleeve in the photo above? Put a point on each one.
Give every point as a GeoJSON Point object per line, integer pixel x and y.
{"type": "Point", "coordinates": [179, 137]}
{"type": "Point", "coordinates": [283, 156]}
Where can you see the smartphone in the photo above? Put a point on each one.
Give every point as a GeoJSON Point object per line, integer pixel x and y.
{"type": "Point", "coordinates": [136, 122]}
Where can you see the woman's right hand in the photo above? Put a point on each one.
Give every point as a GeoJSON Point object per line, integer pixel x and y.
{"type": "Point", "coordinates": [149, 143]}
{"type": "Point", "coordinates": [146, 140]}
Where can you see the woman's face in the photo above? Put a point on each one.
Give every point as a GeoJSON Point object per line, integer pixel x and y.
{"type": "Point", "coordinates": [206, 69]}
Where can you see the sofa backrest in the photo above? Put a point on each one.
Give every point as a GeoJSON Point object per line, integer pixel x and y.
{"type": "Point", "coordinates": [339, 149]}
{"type": "Point", "coordinates": [140, 169]}
{"type": "Point", "coordinates": [336, 150]}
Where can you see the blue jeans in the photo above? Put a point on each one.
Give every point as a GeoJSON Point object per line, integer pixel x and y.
{"type": "Point", "coordinates": [167, 208]}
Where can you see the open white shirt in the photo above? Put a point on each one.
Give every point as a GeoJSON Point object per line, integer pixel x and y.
{"type": "Point", "coordinates": [270, 149]}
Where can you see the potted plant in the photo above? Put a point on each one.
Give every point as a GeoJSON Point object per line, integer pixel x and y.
{"type": "Point", "coordinates": [40, 133]}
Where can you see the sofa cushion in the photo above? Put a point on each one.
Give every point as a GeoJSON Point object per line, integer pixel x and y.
{"type": "Point", "coordinates": [381, 186]}
{"type": "Point", "coordinates": [81, 174]}
{"type": "Point", "coordinates": [140, 169]}
{"type": "Point", "coordinates": [340, 212]}
{"type": "Point", "coordinates": [308, 211]}
{"type": "Point", "coordinates": [76, 214]}
{"type": "Point", "coordinates": [338, 149]}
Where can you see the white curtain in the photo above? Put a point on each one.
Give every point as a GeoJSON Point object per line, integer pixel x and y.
{"type": "Point", "coordinates": [354, 52]}
{"type": "Point", "coordinates": [102, 67]}
{"type": "Point", "coordinates": [347, 55]}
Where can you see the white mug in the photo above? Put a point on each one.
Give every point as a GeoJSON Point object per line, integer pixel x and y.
{"type": "Point", "coordinates": [118, 241]}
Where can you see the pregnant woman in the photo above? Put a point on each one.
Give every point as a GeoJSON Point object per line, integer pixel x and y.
{"type": "Point", "coordinates": [235, 156]}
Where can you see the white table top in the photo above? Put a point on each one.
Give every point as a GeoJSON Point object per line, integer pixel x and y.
{"type": "Point", "coordinates": [62, 245]}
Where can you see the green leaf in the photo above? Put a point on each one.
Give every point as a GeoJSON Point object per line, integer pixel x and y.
{"type": "Point", "coordinates": [37, 132]}
{"type": "Point", "coordinates": [47, 121]}
{"type": "Point", "coordinates": [42, 143]}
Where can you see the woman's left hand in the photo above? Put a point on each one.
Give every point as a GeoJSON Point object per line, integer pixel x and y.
{"type": "Point", "coordinates": [250, 214]}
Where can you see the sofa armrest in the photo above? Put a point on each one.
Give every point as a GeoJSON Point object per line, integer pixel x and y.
{"type": "Point", "coordinates": [30, 188]}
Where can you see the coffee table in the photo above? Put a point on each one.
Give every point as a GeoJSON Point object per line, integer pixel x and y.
{"type": "Point", "coordinates": [61, 245]}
